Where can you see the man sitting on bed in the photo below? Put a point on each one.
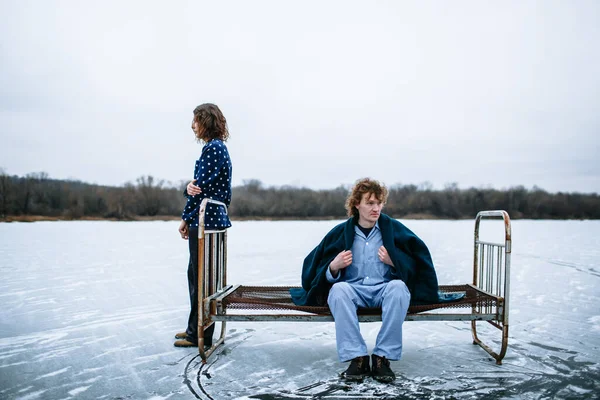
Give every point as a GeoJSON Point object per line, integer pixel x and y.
{"type": "Point", "coordinates": [369, 261]}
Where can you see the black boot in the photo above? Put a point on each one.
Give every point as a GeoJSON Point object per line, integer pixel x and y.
{"type": "Point", "coordinates": [358, 369]}
{"type": "Point", "coordinates": [381, 369]}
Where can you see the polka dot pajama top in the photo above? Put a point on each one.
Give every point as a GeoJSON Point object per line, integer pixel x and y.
{"type": "Point", "coordinates": [213, 175]}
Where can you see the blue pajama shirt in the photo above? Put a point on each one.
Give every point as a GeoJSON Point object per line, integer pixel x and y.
{"type": "Point", "coordinates": [367, 282]}
{"type": "Point", "coordinates": [213, 175]}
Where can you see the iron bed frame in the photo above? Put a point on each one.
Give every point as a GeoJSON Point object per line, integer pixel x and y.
{"type": "Point", "coordinates": [487, 297]}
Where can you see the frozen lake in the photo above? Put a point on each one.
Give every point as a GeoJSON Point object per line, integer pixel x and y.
{"type": "Point", "coordinates": [89, 310]}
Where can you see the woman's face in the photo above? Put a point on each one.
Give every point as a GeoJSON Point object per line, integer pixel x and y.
{"type": "Point", "coordinates": [197, 128]}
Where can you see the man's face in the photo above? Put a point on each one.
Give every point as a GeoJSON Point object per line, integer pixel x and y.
{"type": "Point", "coordinates": [369, 209]}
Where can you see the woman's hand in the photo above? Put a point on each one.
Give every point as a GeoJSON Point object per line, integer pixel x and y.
{"type": "Point", "coordinates": [184, 230]}
{"type": "Point", "coordinates": [192, 189]}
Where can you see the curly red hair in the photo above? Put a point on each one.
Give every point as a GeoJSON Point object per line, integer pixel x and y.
{"type": "Point", "coordinates": [361, 187]}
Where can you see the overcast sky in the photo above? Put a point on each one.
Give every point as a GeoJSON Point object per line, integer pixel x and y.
{"type": "Point", "coordinates": [316, 93]}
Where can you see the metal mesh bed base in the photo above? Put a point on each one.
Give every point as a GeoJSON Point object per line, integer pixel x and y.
{"type": "Point", "coordinates": [277, 298]}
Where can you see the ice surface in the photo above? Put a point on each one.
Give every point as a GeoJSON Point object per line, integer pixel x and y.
{"type": "Point", "coordinates": [88, 310]}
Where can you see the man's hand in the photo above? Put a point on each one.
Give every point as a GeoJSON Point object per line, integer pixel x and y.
{"type": "Point", "coordinates": [192, 189]}
{"type": "Point", "coordinates": [184, 230]}
{"type": "Point", "coordinates": [384, 257]}
{"type": "Point", "coordinates": [340, 261]}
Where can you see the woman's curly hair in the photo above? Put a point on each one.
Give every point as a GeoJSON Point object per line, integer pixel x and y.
{"type": "Point", "coordinates": [213, 122]}
{"type": "Point", "coordinates": [361, 187]}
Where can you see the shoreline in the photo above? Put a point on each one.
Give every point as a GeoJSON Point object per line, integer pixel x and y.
{"type": "Point", "coordinates": [166, 218]}
{"type": "Point", "coordinates": [43, 218]}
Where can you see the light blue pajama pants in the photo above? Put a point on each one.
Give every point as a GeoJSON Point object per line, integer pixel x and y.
{"type": "Point", "coordinates": [344, 299]}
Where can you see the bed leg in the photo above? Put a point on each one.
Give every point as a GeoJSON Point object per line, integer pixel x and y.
{"type": "Point", "coordinates": [201, 343]}
{"type": "Point", "coordinates": [204, 354]}
{"type": "Point", "coordinates": [223, 331]}
{"type": "Point", "coordinates": [497, 356]}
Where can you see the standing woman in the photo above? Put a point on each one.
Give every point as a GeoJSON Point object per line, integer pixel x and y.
{"type": "Point", "coordinates": [212, 179]}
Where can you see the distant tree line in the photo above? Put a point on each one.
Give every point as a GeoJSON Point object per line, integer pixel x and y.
{"type": "Point", "coordinates": [254, 200]}
{"type": "Point", "coordinates": [36, 194]}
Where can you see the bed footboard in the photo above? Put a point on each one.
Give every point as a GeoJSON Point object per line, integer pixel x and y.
{"type": "Point", "coordinates": [491, 274]}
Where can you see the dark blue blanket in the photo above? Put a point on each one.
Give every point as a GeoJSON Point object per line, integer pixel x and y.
{"type": "Point", "coordinates": [410, 256]}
